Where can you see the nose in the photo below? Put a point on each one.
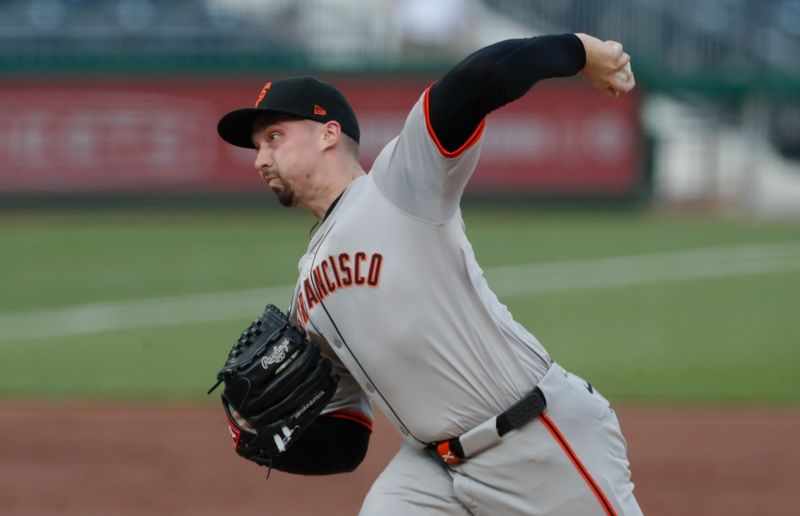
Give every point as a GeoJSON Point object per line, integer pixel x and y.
{"type": "Point", "coordinates": [263, 161]}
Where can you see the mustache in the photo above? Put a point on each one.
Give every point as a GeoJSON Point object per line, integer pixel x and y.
{"type": "Point", "coordinates": [268, 174]}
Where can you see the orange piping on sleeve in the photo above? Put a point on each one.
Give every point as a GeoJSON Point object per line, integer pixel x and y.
{"type": "Point", "coordinates": [352, 415]}
{"type": "Point", "coordinates": [476, 135]}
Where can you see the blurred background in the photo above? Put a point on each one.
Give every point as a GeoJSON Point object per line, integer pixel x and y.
{"type": "Point", "coordinates": [651, 242]}
{"type": "Point", "coordinates": [136, 86]}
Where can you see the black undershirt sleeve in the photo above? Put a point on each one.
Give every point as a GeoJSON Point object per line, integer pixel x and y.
{"type": "Point", "coordinates": [494, 76]}
{"type": "Point", "coordinates": [329, 445]}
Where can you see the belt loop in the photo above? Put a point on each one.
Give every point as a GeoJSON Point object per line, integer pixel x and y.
{"type": "Point", "coordinates": [521, 412]}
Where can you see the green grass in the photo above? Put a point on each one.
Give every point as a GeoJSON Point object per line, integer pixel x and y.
{"type": "Point", "coordinates": [60, 259]}
{"type": "Point", "coordinates": [714, 340]}
{"type": "Point", "coordinates": [729, 339]}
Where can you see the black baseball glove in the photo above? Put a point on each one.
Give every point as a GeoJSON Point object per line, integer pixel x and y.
{"type": "Point", "coordinates": [276, 384]}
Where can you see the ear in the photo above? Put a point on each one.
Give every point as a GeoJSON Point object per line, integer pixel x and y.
{"type": "Point", "coordinates": [331, 134]}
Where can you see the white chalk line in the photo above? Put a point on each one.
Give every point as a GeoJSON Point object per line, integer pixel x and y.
{"type": "Point", "coordinates": [623, 271]}
{"type": "Point", "coordinates": [138, 313]}
{"type": "Point", "coordinates": [508, 281]}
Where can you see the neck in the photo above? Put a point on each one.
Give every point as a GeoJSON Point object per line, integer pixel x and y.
{"type": "Point", "coordinates": [340, 178]}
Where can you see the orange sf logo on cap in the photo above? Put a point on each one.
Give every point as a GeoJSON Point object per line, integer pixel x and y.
{"type": "Point", "coordinates": [319, 110]}
{"type": "Point", "coordinates": [263, 92]}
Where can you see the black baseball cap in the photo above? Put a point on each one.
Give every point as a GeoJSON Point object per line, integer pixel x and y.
{"type": "Point", "coordinates": [304, 97]}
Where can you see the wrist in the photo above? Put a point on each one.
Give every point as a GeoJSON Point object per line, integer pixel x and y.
{"type": "Point", "coordinates": [585, 40]}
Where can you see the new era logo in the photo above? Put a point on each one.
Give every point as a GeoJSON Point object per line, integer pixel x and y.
{"type": "Point", "coordinates": [319, 110]}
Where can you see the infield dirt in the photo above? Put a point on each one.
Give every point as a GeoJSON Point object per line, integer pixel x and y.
{"type": "Point", "coordinates": [158, 459]}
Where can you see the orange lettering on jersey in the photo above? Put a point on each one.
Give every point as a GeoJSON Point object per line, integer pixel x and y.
{"type": "Point", "coordinates": [335, 272]}
{"type": "Point", "coordinates": [363, 269]}
{"type": "Point", "coordinates": [310, 295]}
{"type": "Point", "coordinates": [302, 311]}
{"type": "Point", "coordinates": [344, 266]}
{"type": "Point", "coordinates": [331, 286]}
{"type": "Point", "coordinates": [360, 257]}
{"type": "Point", "coordinates": [374, 275]}
{"type": "Point", "coordinates": [263, 93]}
{"type": "Point", "coordinates": [319, 284]}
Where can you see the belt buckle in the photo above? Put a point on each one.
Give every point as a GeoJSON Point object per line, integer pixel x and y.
{"type": "Point", "coordinates": [445, 452]}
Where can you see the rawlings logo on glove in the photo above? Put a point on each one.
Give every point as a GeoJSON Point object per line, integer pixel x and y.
{"type": "Point", "coordinates": [277, 355]}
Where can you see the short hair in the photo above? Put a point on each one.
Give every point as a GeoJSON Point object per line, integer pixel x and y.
{"type": "Point", "coordinates": [350, 145]}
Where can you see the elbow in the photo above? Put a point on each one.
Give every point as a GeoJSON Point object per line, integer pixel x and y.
{"type": "Point", "coordinates": [328, 447]}
{"type": "Point", "coordinates": [357, 455]}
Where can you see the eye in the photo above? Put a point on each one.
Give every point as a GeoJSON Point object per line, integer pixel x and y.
{"type": "Point", "coordinates": [274, 135]}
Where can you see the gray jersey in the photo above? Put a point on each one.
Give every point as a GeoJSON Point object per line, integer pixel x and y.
{"type": "Point", "coordinates": [391, 289]}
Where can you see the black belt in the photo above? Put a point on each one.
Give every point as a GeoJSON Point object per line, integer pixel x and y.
{"type": "Point", "coordinates": [488, 433]}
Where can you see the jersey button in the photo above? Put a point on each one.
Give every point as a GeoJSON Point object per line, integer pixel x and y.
{"type": "Point", "coordinates": [337, 343]}
{"type": "Point", "coordinates": [371, 388]}
{"type": "Point", "coordinates": [404, 432]}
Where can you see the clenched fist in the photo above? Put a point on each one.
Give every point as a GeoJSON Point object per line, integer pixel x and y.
{"type": "Point", "coordinates": [608, 67]}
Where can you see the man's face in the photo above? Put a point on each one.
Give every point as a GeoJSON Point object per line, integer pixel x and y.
{"type": "Point", "coordinates": [287, 150]}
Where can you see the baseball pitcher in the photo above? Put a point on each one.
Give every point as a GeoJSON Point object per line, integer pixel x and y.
{"type": "Point", "coordinates": [391, 309]}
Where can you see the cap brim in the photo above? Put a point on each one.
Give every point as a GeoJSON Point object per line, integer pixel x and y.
{"type": "Point", "coordinates": [236, 127]}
